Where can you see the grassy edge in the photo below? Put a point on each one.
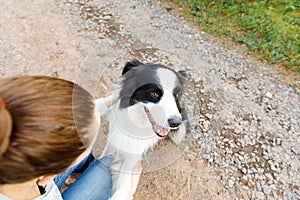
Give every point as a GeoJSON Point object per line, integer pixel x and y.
{"type": "Point", "coordinates": [290, 77]}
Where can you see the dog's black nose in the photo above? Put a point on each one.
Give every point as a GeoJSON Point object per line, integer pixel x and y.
{"type": "Point", "coordinates": [174, 122]}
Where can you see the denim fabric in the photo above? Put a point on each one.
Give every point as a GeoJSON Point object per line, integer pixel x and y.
{"type": "Point", "coordinates": [76, 169]}
{"type": "Point", "coordinates": [93, 183]}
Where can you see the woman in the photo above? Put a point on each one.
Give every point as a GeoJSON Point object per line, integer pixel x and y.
{"type": "Point", "coordinates": [48, 125]}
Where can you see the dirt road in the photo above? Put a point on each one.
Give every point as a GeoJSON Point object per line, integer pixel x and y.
{"type": "Point", "coordinates": [244, 133]}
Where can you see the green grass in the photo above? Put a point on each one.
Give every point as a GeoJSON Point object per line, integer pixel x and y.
{"type": "Point", "coordinates": [271, 28]}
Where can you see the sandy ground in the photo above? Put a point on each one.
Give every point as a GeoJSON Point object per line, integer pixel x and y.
{"type": "Point", "coordinates": [89, 41]}
{"type": "Point", "coordinates": [37, 39]}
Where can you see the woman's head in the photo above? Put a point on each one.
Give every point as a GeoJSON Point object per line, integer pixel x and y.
{"type": "Point", "coordinates": [45, 124]}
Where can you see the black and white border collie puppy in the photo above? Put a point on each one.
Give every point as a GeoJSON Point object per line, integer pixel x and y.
{"type": "Point", "coordinates": [147, 110]}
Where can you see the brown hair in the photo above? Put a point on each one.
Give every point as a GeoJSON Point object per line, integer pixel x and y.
{"type": "Point", "coordinates": [44, 127]}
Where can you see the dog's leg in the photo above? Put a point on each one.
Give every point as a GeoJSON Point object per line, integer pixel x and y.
{"type": "Point", "coordinates": [136, 177]}
{"type": "Point", "coordinates": [127, 180]}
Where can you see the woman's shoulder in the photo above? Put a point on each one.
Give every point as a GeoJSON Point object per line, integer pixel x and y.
{"type": "Point", "coordinates": [3, 197]}
{"type": "Point", "coordinates": [52, 192]}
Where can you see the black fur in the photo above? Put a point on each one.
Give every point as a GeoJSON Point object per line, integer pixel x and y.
{"type": "Point", "coordinates": [140, 80]}
{"type": "Point", "coordinates": [129, 65]}
{"type": "Point", "coordinates": [145, 94]}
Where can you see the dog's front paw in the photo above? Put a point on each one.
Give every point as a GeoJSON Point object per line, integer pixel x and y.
{"type": "Point", "coordinates": [121, 195]}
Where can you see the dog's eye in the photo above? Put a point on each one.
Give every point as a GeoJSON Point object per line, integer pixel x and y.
{"type": "Point", "coordinates": [154, 94]}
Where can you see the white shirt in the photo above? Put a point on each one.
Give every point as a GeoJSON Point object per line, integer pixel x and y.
{"type": "Point", "coordinates": [52, 193]}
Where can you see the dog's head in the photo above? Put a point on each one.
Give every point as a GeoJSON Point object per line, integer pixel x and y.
{"type": "Point", "coordinates": [157, 90]}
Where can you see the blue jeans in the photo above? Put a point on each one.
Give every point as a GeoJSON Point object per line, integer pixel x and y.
{"type": "Point", "coordinates": [94, 183]}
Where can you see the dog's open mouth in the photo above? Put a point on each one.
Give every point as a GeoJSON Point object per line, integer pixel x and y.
{"type": "Point", "coordinates": [159, 130]}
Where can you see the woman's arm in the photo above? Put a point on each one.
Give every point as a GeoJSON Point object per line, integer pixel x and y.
{"type": "Point", "coordinates": [103, 104]}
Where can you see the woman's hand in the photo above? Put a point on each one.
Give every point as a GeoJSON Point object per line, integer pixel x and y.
{"type": "Point", "coordinates": [111, 99]}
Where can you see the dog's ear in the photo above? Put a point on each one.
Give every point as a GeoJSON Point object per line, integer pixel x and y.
{"type": "Point", "coordinates": [131, 64]}
{"type": "Point", "coordinates": [182, 75]}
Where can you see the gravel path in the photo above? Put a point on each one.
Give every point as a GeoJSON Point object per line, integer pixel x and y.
{"type": "Point", "coordinates": [244, 133]}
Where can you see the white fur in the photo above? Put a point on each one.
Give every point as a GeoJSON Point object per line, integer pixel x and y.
{"type": "Point", "coordinates": [166, 107]}
{"type": "Point", "coordinates": [131, 134]}
{"type": "Point", "coordinates": [127, 142]}
{"type": "Point", "coordinates": [179, 135]}
{"type": "Point", "coordinates": [130, 131]}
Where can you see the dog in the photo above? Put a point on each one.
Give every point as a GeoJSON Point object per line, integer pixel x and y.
{"type": "Point", "coordinates": [148, 110]}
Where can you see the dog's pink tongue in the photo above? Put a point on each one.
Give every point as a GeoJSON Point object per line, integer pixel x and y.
{"type": "Point", "coordinates": [160, 130]}
{"type": "Point", "coordinates": [157, 128]}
